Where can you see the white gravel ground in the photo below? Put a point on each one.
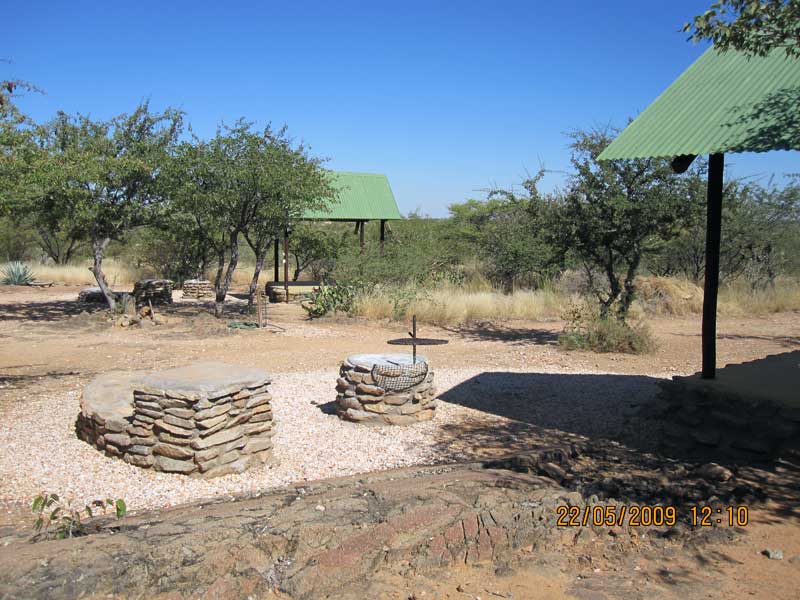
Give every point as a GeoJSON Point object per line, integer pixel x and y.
{"type": "Point", "coordinates": [40, 451]}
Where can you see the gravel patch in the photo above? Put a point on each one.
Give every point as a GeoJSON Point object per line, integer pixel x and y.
{"type": "Point", "coordinates": [42, 453]}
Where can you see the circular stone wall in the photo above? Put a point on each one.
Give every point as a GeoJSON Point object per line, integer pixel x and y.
{"type": "Point", "coordinates": [204, 420]}
{"type": "Point", "coordinates": [385, 389]}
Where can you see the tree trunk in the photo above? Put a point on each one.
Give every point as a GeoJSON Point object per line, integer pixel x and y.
{"type": "Point", "coordinates": [98, 249]}
{"type": "Point", "coordinates": [297, 269]}
{"type": "Point", "coordinates": [219, 300]}
{"type": "Point", "coordinates": [629, 290]}
{"type": "Point", "coordinates": [261, 255]}
{"type": "Point", "coordinates": [202, 264]}
{"type": "Point", "coordinates": [224, 284]}
{"type": "Point", "coordinates": [614, 288]}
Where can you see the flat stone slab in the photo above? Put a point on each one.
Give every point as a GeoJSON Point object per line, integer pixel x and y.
{"type": "Point", "coordinates": [202, 380]}
{"type": "Point", "coordinates": [108, 396]}
{"type": "Point", "coordinates": [390, 360]}
{"type": "Point", "coordinates": [194, 420]}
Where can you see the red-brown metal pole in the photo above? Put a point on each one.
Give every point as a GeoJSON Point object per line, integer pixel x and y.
{"type": "Point", "coordinates": [361, 237]}
{"type": "Point", "coordinates": [286, 263]}
{"type": "Point", "coordinates": [277, 261]}
{"type": "Point", "coordinates": [383, 234]}
{"type": "Point", "coordinates": [716, 168]}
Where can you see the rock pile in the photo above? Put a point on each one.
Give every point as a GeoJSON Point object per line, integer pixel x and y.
{"type": "Point", "coordinates": [385, 389]}
{"type": "Point", "coordinates": [157, 291]}
{"type": "Point", "coordinates": [205, 420]}
{"type": "Point", "coordinates": [197, 288]}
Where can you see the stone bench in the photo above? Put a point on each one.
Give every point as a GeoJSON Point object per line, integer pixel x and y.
{"type": "Point", "coordinates": [203, 420]}
{"type": "Point", "coordinates": [385, 389]}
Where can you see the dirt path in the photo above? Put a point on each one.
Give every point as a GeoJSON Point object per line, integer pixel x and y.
{"type": "Point", "coordinates": [46, 332]}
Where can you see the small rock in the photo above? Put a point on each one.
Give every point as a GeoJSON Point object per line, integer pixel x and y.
{"type": "Point", "coordinates": [320, 508]}
{"type": "Point", "coordinates": [773, 554]}
{"type": "Point", "coordinates": [714, 472]}
{"type": "Point", "coordinates": [553, 471]}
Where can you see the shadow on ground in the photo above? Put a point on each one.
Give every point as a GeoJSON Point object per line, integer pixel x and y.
{"type": "Point", "coordinates": [616, 452]}
{"type": "Point", "coordinates": [787, 341]}
{"type": "Point", "coordinates": [81, 314]}
{"type": "Point", "coordinates": [784, 340]}
{"type": "Point", "coordinates": [56, 310]}
{"type": "Point", "coordinates": [492, 332]}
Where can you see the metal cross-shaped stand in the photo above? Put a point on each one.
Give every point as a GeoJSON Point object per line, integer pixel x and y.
{"type": "Point", "coordinates": [415, 341]}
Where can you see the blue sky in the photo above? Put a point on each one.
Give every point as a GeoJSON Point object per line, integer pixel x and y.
{"type": "Point", "coordinates": [446, 98]}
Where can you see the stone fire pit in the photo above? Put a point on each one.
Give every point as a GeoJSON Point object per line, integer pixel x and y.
{"type": "Point", "coordinates": [204, 420]}
{"type": "Point", "coordinates": [385, 389]}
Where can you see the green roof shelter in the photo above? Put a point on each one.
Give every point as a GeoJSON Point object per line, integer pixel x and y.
{"type": "Point", "coordinates": [361, 197]}
{"type": "Point", "coordinates": [724, 102]}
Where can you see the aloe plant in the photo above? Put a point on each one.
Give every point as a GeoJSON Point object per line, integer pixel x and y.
{"type": "Point", "coordinates": [17, 273]}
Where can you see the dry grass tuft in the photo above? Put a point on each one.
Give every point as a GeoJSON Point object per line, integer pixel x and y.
{"type": "Point", "coordinates": [668, 296]}
{"type": "Point", "coordinates": [659, 296]}
{"type": "Point", "coordinates": [453, 306]}
{"type": "Point", "coordinates": [117, 274]}
{"type": "Point", "coordinates": [739, 298]}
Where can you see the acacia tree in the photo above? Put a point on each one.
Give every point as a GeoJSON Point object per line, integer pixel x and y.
{"type": "Point", "coordinates": [314, 248]}
{"type": "Point", "coordinates": [759, 240]}
{"type": "Point", "coordinates": [242, 183]}
{"type": "Point", "coordinates": [751, 26]}
{"type": "Point", "coordinates": [19, 153]}
{"type": "Point", "coordinates": [293, 182]}
{"type": "Point", "coordinates": [99, 178]}
{"type": "Point", "coordinates": [508, 230]}
{"type": "Point", "coordinates": [613, 213]}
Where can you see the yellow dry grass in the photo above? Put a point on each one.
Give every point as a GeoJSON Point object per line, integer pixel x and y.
{"type": "Point", "coordinates": [452, 306]}
{"type": "Point", "coordinates": [122, 274]}
{"type": "Point", "coordinates": [476, 301]}
{"type": "Point", "coordinates": [740, 298]}
{"type": "Point", "coordinates": [656, 296]}
{"type": "Point", "coordinates": [117, 273]}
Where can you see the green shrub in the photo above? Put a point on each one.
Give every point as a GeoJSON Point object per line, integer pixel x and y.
{"type": "Point", "coordinates": [66, 520]}
{"type": "Point", "coordinates": [332, 298]}
{"type": "Point", "coordinates": [586, 330]}
{"type": "Point", "coordinates": [17, 273]}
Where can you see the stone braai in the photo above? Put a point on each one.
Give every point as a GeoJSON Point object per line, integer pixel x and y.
{"type": "Point", "coordinates": [203, 420]}
{"type": "Point", "coordinates": [385, 389]}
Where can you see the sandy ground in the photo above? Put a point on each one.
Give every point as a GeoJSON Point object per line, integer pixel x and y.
{"type": "Point", "coordinates": [51, 348]}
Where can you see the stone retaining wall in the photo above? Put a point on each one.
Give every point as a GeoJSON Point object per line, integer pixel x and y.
{"type": "Point", "coordinates": [206, 420]}
{"type": "Point", "coordinates": [704, 420]}
{"type": "Point", "coordinates": [156, 291]}
{"type": "Point", "coordinates": [197, 288]}
{"type": "Point", "coordinates": [360, 399]}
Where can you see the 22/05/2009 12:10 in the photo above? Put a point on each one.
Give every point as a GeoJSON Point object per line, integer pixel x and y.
{"type": "Point", "coordinates": [646, 516]}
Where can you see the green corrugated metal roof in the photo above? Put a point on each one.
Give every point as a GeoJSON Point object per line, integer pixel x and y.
{"type": "Point", "coordinates": [724, 102]}
{"type": "Point", "coordinates": [362, 197]}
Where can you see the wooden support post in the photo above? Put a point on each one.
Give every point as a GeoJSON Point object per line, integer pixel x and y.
{"type": "Point", "coordinates": [286, 263]}
{"type": "Point", "coordinates": [383, 234]}
{"type": "Point", "coordinates": [361, 237]}
{"type": "Point", "coordinates": [716, 168]}
{"type": "Point", "coordinates": [277, 272]}
{"type": "Point", "coordinates": [414, 337]}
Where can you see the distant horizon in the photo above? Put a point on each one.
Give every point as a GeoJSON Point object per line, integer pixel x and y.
{"type": "Point", "coordinates": [446, 103]}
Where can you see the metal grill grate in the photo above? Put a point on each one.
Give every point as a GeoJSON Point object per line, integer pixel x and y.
{"type": "Point", "coordinates": [397, 378]}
